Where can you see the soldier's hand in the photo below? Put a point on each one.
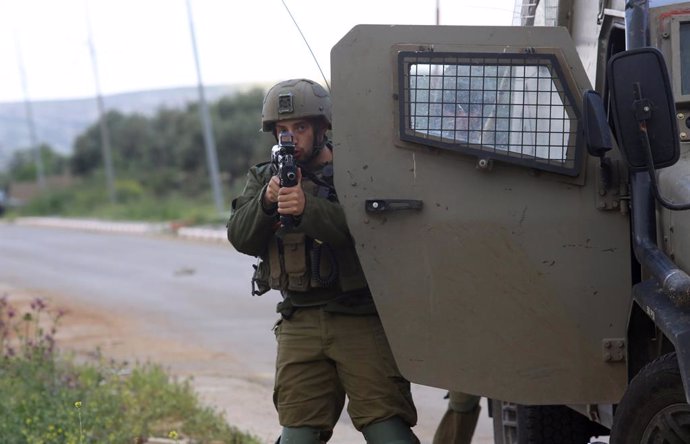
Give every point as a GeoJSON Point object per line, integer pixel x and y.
{"type": "Point", "coordinates": [291, 199]}
{"type": "Point", "coordinates": [272, 190]}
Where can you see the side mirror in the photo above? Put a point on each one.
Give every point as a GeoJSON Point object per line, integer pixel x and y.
{"type": "Point", "coordinates": [596, 125]}
{"type": "Point", "coordinates": [642, 103]}
{"type": "Point", "coordinates": [644, 114]}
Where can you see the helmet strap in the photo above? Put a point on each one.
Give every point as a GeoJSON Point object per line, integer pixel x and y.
{"type": "Point", "coordinates": [319, 142]}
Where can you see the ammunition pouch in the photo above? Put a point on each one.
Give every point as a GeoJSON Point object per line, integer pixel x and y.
{"type": "Point", "coordinates": [295, 261]}
{"type": "Point", "coordinates": [324, 268]}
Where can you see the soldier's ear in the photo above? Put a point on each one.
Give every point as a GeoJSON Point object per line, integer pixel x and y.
{"type": "Point", "coordinates": [320, 132]}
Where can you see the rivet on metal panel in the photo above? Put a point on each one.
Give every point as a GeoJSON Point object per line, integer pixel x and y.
{"type": "Point", "coordinates": [680, 116]}
{"type": "Point", "coordinates": [665, 35]}
{"type": "Point", "coordinates": [607, 356]}
{"type": "Point", "coordinates": [683, 135]}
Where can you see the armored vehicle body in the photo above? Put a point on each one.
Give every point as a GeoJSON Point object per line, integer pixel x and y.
{"type": "Point", "coordinates": [517, 196]}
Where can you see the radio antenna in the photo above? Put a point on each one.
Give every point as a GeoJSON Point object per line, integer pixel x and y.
{"type": "Point", "coordinates": [307, 43]}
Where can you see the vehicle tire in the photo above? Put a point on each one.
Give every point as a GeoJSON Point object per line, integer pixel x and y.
{"type": "Point", "coordinates": [654, 409]}
{"type": "Point", "coordinates": [520, 424]}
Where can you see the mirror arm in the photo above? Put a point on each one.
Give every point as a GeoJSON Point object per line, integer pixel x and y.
{"type": "Point", "coordinates": [652, 174]}
{"type": "Point", "coordinates": [674, 281]}
{"type": "Point", "coordinates": [643, 112]}
{"type": "Point", "coordinates": [606, 171]}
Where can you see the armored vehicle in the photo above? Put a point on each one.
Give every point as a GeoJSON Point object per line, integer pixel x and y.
{"type": "Point", "coordinates": [517, 196]}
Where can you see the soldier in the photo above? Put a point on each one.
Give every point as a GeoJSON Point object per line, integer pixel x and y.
{"type": "Point", "coordinates": [330, 339]}
{"type": "Point", "coordinates": [458, 423]}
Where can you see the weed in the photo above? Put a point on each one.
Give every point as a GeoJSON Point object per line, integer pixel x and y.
{"type": "Point", "coordinates": [47, 397]}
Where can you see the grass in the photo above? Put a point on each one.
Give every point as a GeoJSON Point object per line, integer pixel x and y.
{"type": "Point", "coordinates": [89, 199]}
{"type": "Point", "coordinates": [47, 397]}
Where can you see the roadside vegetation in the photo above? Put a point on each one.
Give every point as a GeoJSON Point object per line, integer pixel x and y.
{"type": "Point", "coordinates": [159, 164]}
{"type": "Point", "coordinates": [89, 198]}
{"type": "Point", "coordinates": [51, 397]}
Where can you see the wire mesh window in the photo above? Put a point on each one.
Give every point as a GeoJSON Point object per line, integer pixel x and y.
{"type": "Point", "coordinates": [513, 107]}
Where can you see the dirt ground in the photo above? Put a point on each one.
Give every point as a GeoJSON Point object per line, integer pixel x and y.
{"type": "Point", "coordinates": [244, 400]}
{"type": "Point", "coordinates": [86, 330]}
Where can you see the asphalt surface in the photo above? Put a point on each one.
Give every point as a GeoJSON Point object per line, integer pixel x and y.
{"type": "Point", "coordinates": [185, 302]}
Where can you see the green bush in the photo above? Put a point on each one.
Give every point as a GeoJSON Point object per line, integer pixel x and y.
{"type": "Point", "coordinates": [47, 397]}
{"type": "Point", "coordinates": [128, 190]}
{"type": "Point", "coordinates": [90, 200]}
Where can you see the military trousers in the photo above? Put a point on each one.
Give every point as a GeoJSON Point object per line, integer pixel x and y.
{"type": "Point", "coordinates": [324, 356]}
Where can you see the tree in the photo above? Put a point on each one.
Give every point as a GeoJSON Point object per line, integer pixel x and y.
{"type": "Point", "coordinates": [22, 165]}
{"type": "Point", "coordinates": [167, 150]}
{"type": "Point", "coordinates": [238, 121]}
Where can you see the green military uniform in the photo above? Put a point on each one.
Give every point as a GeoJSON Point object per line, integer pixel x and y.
{"type": "Point", "coordinates": [458, 423]}
{"type": "Point", "coordinates": [330, 339]}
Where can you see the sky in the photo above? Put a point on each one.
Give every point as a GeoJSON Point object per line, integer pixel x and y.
{"type": "Point", "coordinates": [146, 44]}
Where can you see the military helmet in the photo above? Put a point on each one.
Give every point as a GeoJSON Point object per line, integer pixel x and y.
{"type": "Point", "coordinates": [295, 99]}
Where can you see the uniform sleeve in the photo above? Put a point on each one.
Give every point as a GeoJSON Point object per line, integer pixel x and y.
{"type": "Point", "coordinates": [250, 227]}
{"type": "Point", "coordinates": [325, 220]}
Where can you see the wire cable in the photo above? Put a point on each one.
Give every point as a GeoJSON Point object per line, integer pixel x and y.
{"type": "Point", "coordinates": [307, 43]}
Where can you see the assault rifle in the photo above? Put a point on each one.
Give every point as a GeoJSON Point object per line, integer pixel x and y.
{"type": "Point", "coordinates": [283, 159]}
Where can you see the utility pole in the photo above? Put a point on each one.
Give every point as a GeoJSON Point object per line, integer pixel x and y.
{"type": "Point", "coordinates": [209, 141]}
{"type": "Point", "coordinates": [33, 140]}
{"type": "Point", "coordinates": [438, 12]}
{"type": "Point", "coordinates": [105, 134]}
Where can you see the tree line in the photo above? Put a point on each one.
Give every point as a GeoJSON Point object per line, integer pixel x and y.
{"type": "Point", "coordinates": [164, 152]}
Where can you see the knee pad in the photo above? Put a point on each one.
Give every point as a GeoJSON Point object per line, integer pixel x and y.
{"type": "Point", "coordinates": [389, 431]}
{"type": "Point", "coordinates": [300, 435]}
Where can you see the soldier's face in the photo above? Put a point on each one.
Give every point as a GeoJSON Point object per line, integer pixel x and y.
{"type": "Point", "coordinates": [303, 135]}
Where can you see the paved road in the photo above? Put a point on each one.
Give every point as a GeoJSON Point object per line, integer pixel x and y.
{"type": "Point", "coordinates": [186, 298]}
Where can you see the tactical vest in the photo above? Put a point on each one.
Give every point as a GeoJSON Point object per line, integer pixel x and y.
{"type": "Point", "coordinates": [309, 270]}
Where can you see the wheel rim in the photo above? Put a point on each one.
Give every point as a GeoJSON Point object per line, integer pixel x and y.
{"type": "Point", "coordinates": [509, 423]}
{"type": "Point", "coordinates": [669, 426]}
